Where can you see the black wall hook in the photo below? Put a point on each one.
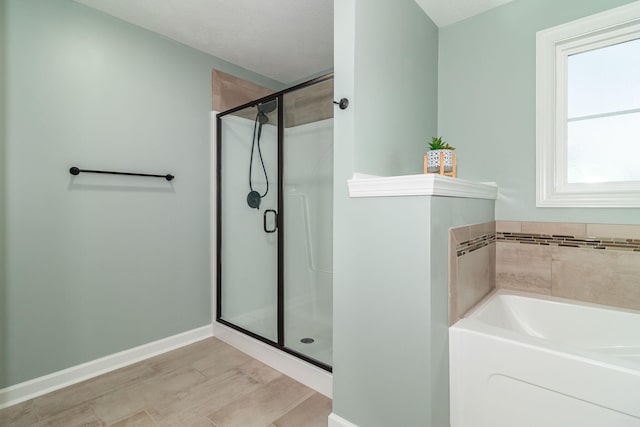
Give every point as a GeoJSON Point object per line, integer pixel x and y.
{"type": "Point", "coordinates": [343, 104]}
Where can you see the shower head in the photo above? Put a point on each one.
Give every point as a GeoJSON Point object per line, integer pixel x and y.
{"type": "Point", "coordinates": [264, 109]}
{"type": "Point", "coordinates": [254, 198]}
{"type": "Point", "coordinates": [267, 107]}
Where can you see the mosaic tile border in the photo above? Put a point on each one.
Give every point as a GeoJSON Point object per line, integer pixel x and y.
{"type": "Point", "coordinates": [469, 246]}
{"type": "Point", "coordinates": [601, 243]}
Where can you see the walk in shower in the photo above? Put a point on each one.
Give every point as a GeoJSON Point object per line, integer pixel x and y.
{"type": "Point", "coordinates": [275, 220]}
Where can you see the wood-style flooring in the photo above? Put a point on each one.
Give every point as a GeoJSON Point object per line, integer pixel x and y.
{"type": "Point", "coordinates": [208, 383]}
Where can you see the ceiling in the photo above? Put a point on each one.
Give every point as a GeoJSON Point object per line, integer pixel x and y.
{"type": "Point", "coordinates": [446, 12]}
{"type": "Point", "coordinates": [285, 40]}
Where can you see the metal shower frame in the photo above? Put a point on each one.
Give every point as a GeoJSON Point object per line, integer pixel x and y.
{"type": "Point", "coordinates": [279, 96]}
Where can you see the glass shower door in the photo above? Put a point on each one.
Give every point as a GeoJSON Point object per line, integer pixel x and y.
{"type": "Point", "coordinates": [275, 220]}
{"type": "Point", "coordinates": [247, 206]}
{"type": "Point", "coordinates": [308, 221]}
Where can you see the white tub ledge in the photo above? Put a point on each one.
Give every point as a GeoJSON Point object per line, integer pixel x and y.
{"type": "Point", "coordinates": [362, 185]}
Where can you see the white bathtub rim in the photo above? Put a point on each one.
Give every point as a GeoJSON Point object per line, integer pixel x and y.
{"type": "Point", "coordinates": [471, 324]}
{"type": "Point", "coordinates": [549, 298]}
{"type": "Point", "coordinates": [477, 327]}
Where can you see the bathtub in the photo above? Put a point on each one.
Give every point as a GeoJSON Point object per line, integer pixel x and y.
{"type": "Point", "coordinates": [523, 360]}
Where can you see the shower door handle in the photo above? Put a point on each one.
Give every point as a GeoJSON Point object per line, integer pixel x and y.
{"type": "Point", "coordinates": [275, 221]}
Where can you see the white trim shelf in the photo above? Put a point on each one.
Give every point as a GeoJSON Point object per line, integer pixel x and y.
{"type": "Point", "coordinates": [362, 185]}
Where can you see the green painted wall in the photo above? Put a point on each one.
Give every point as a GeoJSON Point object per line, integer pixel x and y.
{"type": "Point", "coordinates": [390, 254]}
{"type": "Point", "coordinates": [396, 86]}
{"type": "Point", "coordinates": [446, 212]}
{"type": "Point", "coordinates": [3, 321]}
{"type": "Point", "coordinates": [486, 102]}
{"type": "Point", "coordinates": [385, 64]}
{"type": "Point", "coordinates": [98, 264]}
{"type": "Point", "coordinates": [390, 315]}
{"type": "Point", "coordinates": [382, 314]}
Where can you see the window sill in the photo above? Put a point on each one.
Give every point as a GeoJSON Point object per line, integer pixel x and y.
{"type": "Point", "coordinates": [591, 199]}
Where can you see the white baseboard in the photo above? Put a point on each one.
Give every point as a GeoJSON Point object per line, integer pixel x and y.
{"type": "Point", "coordinates": [336, 421]}
{"type": "Point", "coordinates": [38, 386]}
{"type": "Point", "coordinates": [301, 371]}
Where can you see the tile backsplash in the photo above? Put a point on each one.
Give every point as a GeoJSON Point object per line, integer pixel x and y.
{"type": "Point", "coordinates": [597, 263]}
{"type": "Point", "coordinates": [472, 263]}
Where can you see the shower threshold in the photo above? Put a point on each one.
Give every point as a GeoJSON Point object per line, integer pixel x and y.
{"type": "Point", "coordinates": [289, 362]}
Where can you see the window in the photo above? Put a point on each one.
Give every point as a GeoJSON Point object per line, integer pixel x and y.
{"type": "Point", "coordinates": [588, 111]}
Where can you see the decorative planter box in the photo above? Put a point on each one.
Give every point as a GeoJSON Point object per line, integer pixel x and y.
{"type": "Point", "coordinates": [442, 162]}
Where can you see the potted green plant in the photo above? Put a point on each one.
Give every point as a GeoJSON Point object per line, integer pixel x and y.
{"type": "Point", "coordinates": [439, 149]}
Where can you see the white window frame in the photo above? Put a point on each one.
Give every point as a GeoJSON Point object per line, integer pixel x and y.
{"type": "Point", "coordinates": [553, 47]}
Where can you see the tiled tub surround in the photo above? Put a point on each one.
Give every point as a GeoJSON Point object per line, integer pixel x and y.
{"type": "Point", "coordinates": [472, 255]}
{"type": "Point", "coordinates": [621, 244]}
{"type": "Point", "coordinates": [479, 242]}
{"type": "Point", "coordinates": [597, 263]}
